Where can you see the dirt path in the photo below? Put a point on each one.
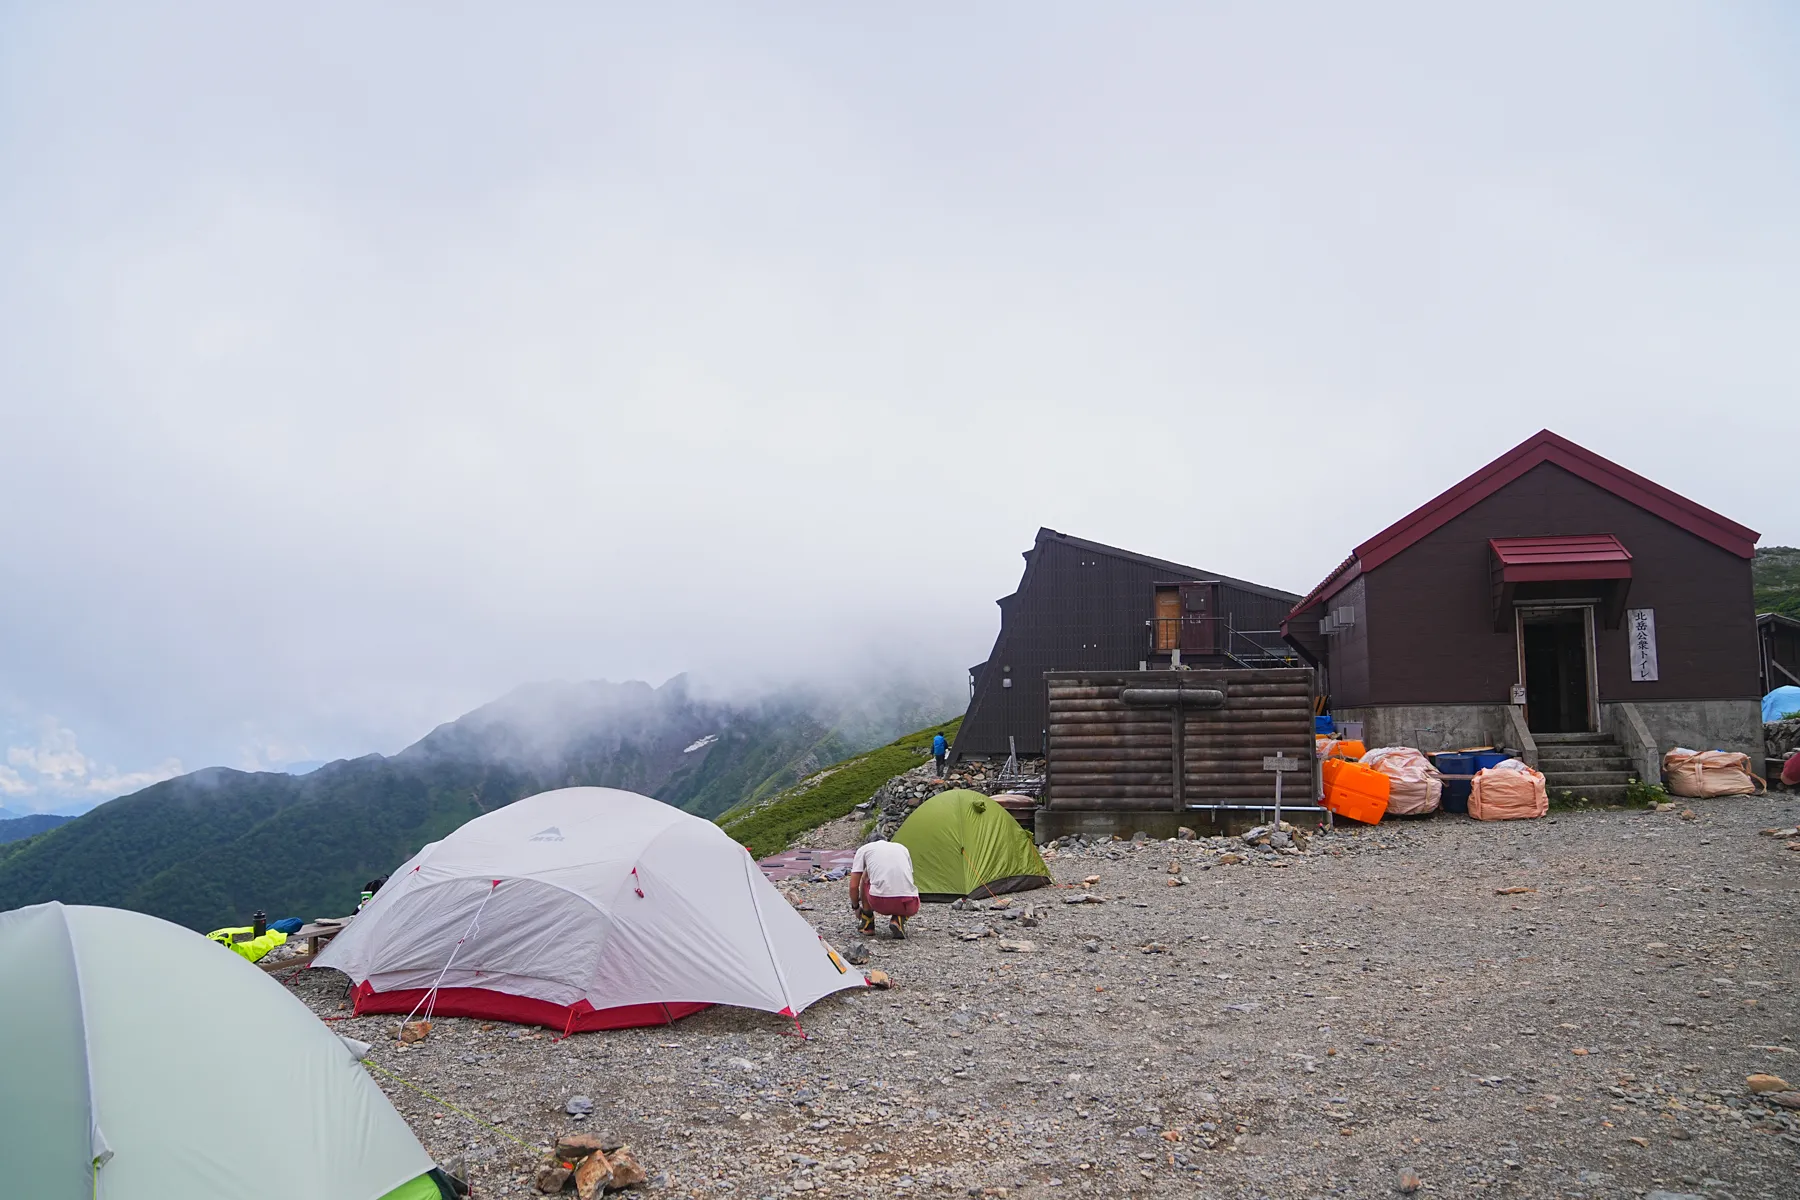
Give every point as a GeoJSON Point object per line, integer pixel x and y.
{"type": "Point", "coordinates": [845, 833]}
{"type": "Point", "coordinates": [1315, 1026]}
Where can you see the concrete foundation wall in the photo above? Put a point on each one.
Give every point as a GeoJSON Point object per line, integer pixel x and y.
{"type": "Point", "coordinates": [1434, 727]}
{"type": "Point", "coordinates": [1645, 728]}
{"type": "Point", "coordinates": [1053, 823]}
{"type": "Point", "coordinates": [1705, 725]}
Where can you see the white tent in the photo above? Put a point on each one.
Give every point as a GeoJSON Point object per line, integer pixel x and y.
{"type": "Point", "coordinates": [139, 1061]}
{"type": "Point", "coordinates": [585, 908]}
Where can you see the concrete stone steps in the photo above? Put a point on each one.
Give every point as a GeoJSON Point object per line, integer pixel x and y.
{"type": "Point", "coordinates": [1594, 793]}
{"type": "Point", "coordinates": [1591, 765]}
{"type": "Point", "coordinates": [1596, 773]}
{"type": "Point", "coordinates": [1584, 752]}
{"type": "Point", "coordinates": [1581, 779]}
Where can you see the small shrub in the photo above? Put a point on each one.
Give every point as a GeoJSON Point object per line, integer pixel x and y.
{"type": "Point", "coordinates": [1565, 798]}
{"type": "Point", "coordinates": [1645, 795]}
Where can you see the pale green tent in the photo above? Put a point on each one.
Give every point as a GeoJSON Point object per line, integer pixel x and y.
{"type": "Point", "coordinates": [965, 844]}
{"type": "Point", "coordinates": [139, 1061]}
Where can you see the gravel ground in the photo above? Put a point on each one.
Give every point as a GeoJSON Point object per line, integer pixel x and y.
{"type": "Point", "coordinates": [1313, 1025]}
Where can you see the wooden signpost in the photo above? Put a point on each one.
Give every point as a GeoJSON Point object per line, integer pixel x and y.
{"type": "Point", "coordinates": [1281, 764]}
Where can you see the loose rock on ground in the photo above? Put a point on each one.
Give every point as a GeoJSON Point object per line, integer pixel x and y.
{"type": "Point", "coordinates": [1333, 1021]}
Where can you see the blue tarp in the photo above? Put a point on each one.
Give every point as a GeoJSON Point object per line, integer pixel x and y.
{"type": "Point", "coordinates": [1780, 702]}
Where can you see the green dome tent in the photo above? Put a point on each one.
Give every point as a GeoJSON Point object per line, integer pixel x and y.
{"type": "Point", "coordinates": [964, 844]}
{"type": "Point", "coordinates": [142, 1062]}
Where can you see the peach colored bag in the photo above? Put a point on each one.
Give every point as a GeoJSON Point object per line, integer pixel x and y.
{"type": "Point", "coordinates": [1416, 785]}
{"type": "Point", "coordinates": [1703, 773]}
{"type": "Point", "coordinates": [1508, 792]}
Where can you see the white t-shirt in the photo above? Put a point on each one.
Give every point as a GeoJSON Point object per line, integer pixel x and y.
{"type": "Point", "coordinates": [888, 866]}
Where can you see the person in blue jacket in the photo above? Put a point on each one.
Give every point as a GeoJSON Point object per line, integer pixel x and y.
{"type": "Point", "coordinates": [939, 748]}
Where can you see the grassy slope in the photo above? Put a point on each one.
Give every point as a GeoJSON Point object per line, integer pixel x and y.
{"type": "Point", "coordinates": [1777, 575]}
{"type": "Point", "coordinates": [767, 827]}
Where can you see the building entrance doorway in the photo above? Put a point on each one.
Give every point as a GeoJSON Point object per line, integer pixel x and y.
{"type": "Point", "coordinates": [1556, 657]}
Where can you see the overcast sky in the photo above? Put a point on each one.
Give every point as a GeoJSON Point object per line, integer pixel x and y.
{"type": "Point", "coordinates": [359, 362]}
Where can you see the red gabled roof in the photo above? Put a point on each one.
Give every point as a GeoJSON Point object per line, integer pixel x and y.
{"type": "Point", "coordinates": [1340, 575]}
{"type": "Point", "coordinates": [1541, 447]}
{"type": "Point", "coordinates": [1546, 447]}
{"type": "Point", "coordinates": [1571, 556]}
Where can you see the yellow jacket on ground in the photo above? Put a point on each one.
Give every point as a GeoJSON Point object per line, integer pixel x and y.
{"type": "Point", "coordinates": [252, 948]}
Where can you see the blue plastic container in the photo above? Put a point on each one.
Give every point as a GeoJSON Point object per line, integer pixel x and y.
{"type": "Point", "coordinates": [1456, 764]}
{"type": "Point", "coordinates": [1487, 758]}
{"type": "Point", "coordinates": [1456, 791]}
{"type": "Point", "coordinates": [1324, 724]}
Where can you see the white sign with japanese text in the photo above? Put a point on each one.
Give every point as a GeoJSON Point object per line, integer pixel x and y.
{"type": "Point", "coordinates": [1640, 624]}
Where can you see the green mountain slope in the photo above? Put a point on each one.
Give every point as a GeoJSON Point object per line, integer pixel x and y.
{"type": "Point", "coordinates": [14, 828]}
{"type": "Point", "coordinates": [767, 826]}
{"type": "Point", "coordinates": [1776, 574]}
{"type": "Point", "coordinates": [207, 849]}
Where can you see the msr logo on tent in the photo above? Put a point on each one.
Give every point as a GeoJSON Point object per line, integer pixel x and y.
{"type": "Point", "coordinates": [552, 834]}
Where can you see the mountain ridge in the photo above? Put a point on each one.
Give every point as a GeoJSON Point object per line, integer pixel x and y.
{"type": "Point", "coordinates": [14, 827]}
{"type": "Point", "coordinates": [207, 848]}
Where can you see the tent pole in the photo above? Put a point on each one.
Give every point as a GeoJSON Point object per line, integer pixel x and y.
{"type": "Point", "coordinates": [787, 997]}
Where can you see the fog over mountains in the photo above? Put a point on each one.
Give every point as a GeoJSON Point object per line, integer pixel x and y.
{"type": "Point", "coordinates": [209, 847]}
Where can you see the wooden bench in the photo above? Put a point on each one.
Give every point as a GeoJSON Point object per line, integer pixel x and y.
{"type": "Point", "coordinates": [316, 933]}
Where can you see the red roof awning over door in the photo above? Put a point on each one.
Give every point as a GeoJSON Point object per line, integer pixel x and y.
{"type": "Point", "coordinates": [1548, 559]}
{"type": "Point", "coordinates": [1567, 559]}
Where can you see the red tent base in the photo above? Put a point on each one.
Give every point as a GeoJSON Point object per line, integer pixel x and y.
{"type": "Point", "coordinates": [486, 1005]}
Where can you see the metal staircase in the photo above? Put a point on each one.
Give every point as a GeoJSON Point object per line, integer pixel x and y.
{"type": "Point", "coordinates": [1256, 649]}
{"type": "Point", "coordinates": [1209, 639]}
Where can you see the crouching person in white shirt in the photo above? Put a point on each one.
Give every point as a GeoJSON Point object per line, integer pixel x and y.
{"type": "Point", "coordinates": [881, 881]}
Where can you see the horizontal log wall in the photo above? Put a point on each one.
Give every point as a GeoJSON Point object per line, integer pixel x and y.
{"type": "Point", "coordinates": [1105, 754]}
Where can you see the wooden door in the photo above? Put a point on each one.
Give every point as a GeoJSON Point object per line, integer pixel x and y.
{"type": "Point", "coordinates": [1168, 619]}
{"type": "Point", "coordinates": [1555, 649]}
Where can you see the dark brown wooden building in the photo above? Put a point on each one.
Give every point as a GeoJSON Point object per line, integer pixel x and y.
{"type": "Point", "coordinates": [1082, 606]}
{"type": "Point", "coordinates": [1153, 751]}
{"type": "Point", "coordinates": [1778, 638]}
{"type": "Point", "coordinates": [1551, 596]}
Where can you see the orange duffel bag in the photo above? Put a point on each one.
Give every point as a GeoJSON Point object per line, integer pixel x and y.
{"type": "Point", "coordinates": [1415, 786]}
{"type": "Point", "coordinates": [1508, 792]}
{"type": "Point", "coordinates": [1702, 773]}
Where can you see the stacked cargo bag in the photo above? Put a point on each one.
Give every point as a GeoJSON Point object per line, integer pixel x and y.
{"type": "Point", "coordinates": [1354, 791]}
{"type": "Point", "coordinates": [1509, 791]}
{"type": "Point", "coordinates": [1414, 785]}
{"type": "Point", "coordinates": [1704, 773]}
